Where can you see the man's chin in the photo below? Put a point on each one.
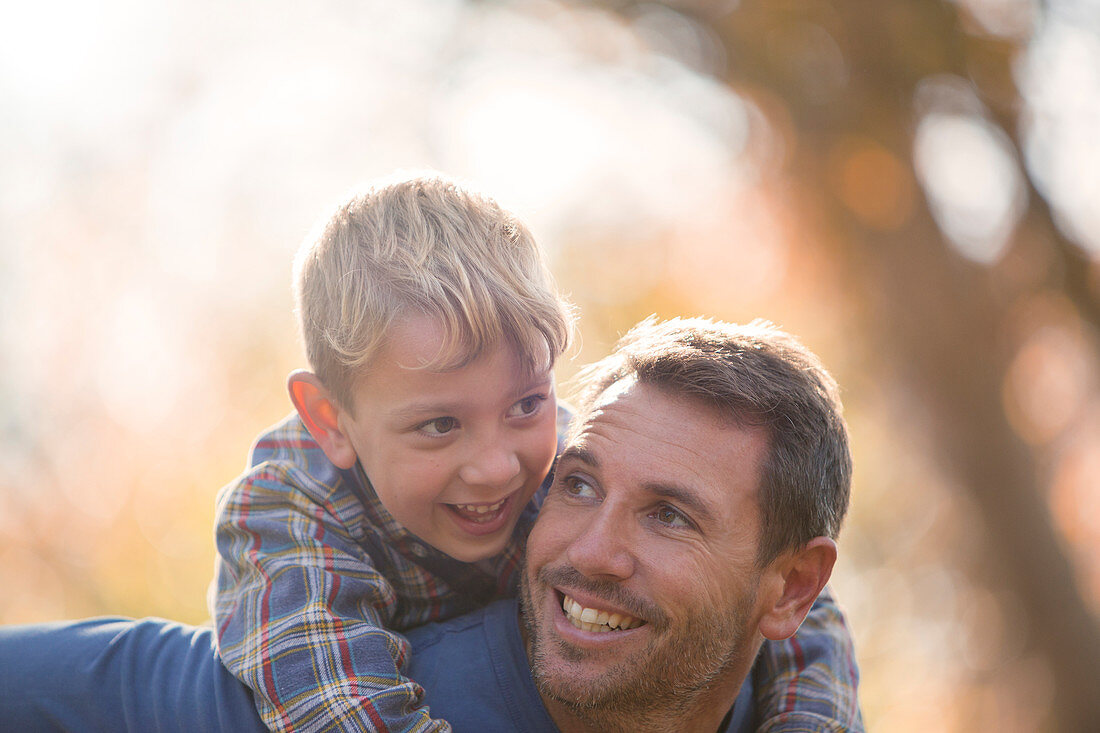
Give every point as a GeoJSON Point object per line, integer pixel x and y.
{"type": "Point", "coordinates": [582, 678]}
{"type": "Point", "coordinates": [584, 690]}
{"type": "Point", "coordinates": [654, 672]}
{"type": "Point", "coordinates": [586, 671]}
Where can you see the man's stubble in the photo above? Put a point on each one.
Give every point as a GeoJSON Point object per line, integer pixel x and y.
{"type": "Point", "coordinates": [661, 682]}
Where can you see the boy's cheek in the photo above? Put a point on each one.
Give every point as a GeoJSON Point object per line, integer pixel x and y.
{"type": "Point", "coordinates": [549, 443]}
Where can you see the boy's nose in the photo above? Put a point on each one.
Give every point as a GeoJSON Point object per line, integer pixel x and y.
{"type": "Point", "coordinates": [495, 468]}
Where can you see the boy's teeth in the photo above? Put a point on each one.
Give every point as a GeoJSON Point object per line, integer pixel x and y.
{"type": "Point", "coordinates": [593, 619]}
{"type": "Point", "coordinates": [479, 509]}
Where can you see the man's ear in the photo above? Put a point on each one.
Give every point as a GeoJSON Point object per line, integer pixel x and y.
{"type": "Point", "coordinates": [321, 416]}
{"type": "Point", "coordinates": [795, 581]}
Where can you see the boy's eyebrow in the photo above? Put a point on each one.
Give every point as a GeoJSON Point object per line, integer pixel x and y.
{"type": "Point", "coordinates": [419, 409]}
{"type": "Point", "coordinates": [422, 407]}
{"type": "Point", "coordinates": [537, 381]}
{"type": "Point", "coordinates": [675, 492]}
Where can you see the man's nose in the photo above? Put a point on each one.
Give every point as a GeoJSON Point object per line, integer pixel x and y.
{"type": "Point", "coordinates": [494, 466]}
{"type": "Point", "coordinates": [602, 549]}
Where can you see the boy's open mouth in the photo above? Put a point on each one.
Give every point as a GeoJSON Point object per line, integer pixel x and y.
{"type": "Point", "coordinates": [479, 513]}
{"type": "Point", "coordinates": [595, 619]}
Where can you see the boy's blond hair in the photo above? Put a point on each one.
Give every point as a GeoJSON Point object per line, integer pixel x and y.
{"type": "Point", "coordinates": [424, 245]}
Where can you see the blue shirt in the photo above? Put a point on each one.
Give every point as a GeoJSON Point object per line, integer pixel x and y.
{"type": "Point", "coordinates": [153, 676]}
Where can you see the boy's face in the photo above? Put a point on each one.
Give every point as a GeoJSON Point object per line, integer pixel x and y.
{"type": "Point", "coordinates": [454, 456]}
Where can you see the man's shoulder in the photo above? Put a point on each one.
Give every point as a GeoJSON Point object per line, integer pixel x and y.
{"type": "Point", "coordinates": [475, 674]}
{"type": "Point", "coordinates": [457, 636]}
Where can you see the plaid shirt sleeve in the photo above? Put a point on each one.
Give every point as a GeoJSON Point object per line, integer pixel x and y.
{"type": "Point", "coordinates": [808, 683]}
{"type": "Point", "coordinates": [301, 610]}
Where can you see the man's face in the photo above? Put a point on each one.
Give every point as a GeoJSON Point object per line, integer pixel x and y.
{"type": "Point", "coordinates": [453, 455]}
{"type": "Point", "coordinates": [651, 528]}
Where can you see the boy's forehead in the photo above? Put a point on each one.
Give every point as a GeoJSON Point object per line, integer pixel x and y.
{"type": "Point", "coordinates": [414, 341]}
{"type": "Point", "coordinates": [417, 364]}
{"type": "Point", "coordinates": [422, 341]}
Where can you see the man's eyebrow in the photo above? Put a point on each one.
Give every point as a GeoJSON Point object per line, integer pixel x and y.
{"type": "Point", "coordinates": [683, 496]}
{"type": "Point", "coordinates": [576, 453]}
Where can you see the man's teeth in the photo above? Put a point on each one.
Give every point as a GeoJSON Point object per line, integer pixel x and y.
{"type": "Point", "coordinates": [593, 619]}
{"type": "Point", "coordinates": [480, 509]}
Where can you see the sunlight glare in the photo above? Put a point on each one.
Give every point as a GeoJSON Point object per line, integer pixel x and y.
{"type": "Point", "coordinates": [142, 368]}
{"type": "Point", "coordinates": [1006, 18]}
{"type": "Point", "coordinates": [1060, 80]}
{"type": "Point", "coordinates": [563, 137]}
{"type": "Point", "coordinates": [972, 183]}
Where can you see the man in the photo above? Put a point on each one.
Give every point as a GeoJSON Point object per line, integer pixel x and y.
{"type": "Point", "coordinates": [693, 514]}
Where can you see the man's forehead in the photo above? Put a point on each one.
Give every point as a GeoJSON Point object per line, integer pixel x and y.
{"type": "Point", "coordinates": [660, 435]}
{"type": "Point", "coordinates": [615, 390]}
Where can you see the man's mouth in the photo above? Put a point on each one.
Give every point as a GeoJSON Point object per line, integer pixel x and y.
{"type": "Point", "coordinates": [479, 513]}
{"type": "Point", "coordinates": [596, 619]}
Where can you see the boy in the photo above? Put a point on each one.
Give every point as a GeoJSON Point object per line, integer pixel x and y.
{"type": "Point", "coordinates": [402, 490]}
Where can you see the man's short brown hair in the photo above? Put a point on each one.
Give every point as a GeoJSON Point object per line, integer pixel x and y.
{"type": "Point", "coordinates": [756, 375]}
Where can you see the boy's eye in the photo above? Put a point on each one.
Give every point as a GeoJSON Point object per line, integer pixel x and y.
{"type": "Point", "coordinates": [438, 426]}
{"type": "Point", "coordinates": [527, 406]}
{"type": "Point", "coordinates": [670, 517]}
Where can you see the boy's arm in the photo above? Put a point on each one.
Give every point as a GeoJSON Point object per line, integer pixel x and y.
{"type": "Point", "coordinates": [300, 614]}
{"type": "Point", "coordinates": [808, 683]}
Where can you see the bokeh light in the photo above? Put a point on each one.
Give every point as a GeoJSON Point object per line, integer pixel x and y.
{"type": "Point", "coordinates": [162, 162]}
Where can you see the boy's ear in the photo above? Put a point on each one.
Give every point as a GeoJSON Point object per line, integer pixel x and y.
{"type": "Point", "coordinates": [794, 581]}
{"type": "Point", "coordinates": [321, 416]}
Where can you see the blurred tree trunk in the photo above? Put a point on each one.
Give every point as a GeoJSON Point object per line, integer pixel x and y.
{"type": "Point", "coordinates": [938, 320]}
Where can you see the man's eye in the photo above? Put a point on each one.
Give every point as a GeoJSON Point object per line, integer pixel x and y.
{"type": "Point", "coordinates": [438, 426]}
{"type": "Point", "coordinates": [527, 406]}
{"type": "Point", "coordinates": [577, 486]}
{"type": "Point", "coordinates": [671, 517]}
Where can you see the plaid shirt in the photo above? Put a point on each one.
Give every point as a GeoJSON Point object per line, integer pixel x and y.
{"type": "Point", "coordinates": [808, 683]}
{"type": "Point", "coordinates": [314, 577]}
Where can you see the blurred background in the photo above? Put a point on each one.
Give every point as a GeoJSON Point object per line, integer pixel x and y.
{"type": "Point", "coordinates": [912, 187]}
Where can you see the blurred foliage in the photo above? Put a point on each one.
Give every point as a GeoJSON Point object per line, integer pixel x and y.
{"type": "Point", "coordinates": [910, 186]}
